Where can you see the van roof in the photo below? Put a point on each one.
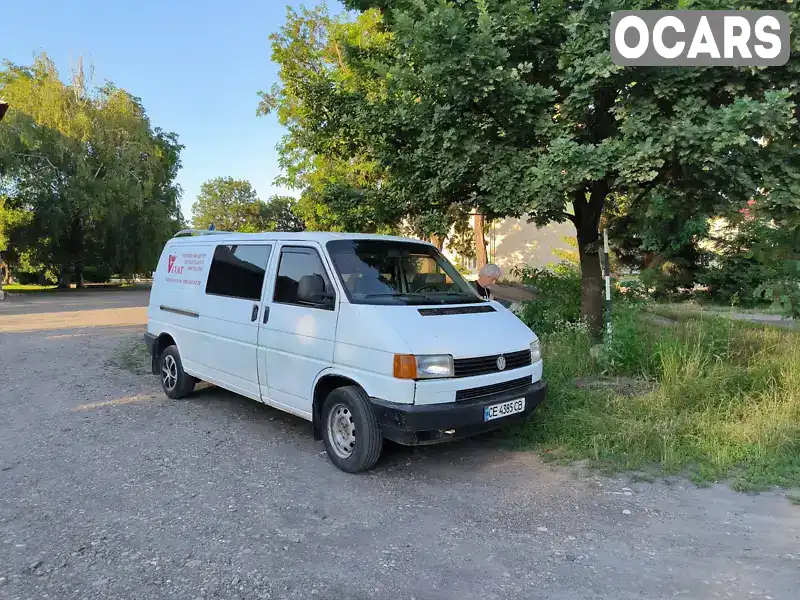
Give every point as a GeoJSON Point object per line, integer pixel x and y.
{"type": "Point", "coordinates": [218, 237]}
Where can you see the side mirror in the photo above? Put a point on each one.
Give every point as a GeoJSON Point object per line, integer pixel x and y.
{"type": "Point", "coordinates": [311, 290]}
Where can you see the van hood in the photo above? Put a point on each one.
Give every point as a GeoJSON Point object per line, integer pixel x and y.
{"type": "Point", "coordinates": [427, 331]}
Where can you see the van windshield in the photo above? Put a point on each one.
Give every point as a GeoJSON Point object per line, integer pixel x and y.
{"type": "Point", "coordinates": [393, 272]}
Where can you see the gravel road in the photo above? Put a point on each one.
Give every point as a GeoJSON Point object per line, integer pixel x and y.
{"type": "Point", "coordinates": [110, 490]}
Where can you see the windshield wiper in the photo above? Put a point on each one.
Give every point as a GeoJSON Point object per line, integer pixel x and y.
{"type": "Point", "coordinates": [386, 294]}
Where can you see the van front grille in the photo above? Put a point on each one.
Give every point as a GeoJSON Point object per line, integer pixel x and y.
{"type": "Point", "coordinates": [496, 388]}
{"type": "Point", "coordinates": [482, 365]}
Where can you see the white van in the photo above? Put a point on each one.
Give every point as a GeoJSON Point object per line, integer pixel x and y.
{"type": "Point", "coordinates": [368, 337]}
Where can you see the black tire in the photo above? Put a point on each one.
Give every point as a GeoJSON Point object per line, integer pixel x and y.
{"type": "Point", "coordinates": [170, 363]}
{"type": "Point", "coordinates": [351, 404]}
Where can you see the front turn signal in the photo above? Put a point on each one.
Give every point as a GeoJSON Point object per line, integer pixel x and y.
{"type": "Point", "coordinates": [405, 366]}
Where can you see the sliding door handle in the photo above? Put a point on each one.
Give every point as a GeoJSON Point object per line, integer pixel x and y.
{"type": "Point", "coordinates": [266, 314]}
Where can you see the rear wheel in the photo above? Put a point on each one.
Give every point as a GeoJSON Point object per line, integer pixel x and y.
{"type": "Point", "coordinates": [176, 383]}
{"type": "Point", "coordinates": [352, 437]}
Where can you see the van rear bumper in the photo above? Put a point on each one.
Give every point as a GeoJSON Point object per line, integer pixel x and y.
{"type": "Point", "coordinates": [150, 342]}
{"type": "Point", "coordinates": [414, 425]}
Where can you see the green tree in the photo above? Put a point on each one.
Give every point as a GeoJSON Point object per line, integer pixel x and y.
{"type": "Point", "coordinates": [231, 205]}
{"type": "Point", "coordinates": [515, 107]}
{"type": "Point", "coordinates": [87, 180]}
{"type": "Point", "coordinates": [281, 213]}
{"type": "Point", "coordinates": [325, 153]}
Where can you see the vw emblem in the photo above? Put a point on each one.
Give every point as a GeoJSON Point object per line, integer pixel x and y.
{"type": "Point", "coordinates": [501, 362]}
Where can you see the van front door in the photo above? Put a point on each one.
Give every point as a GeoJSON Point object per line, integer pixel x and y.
{"type": "Point", "coordinates": [298, 328]}
{"type": "Point", "coordinates": [230, 317]}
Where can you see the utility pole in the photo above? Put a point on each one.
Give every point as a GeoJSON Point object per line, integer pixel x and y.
{"type": "Point", "coordinates": [607, 269]}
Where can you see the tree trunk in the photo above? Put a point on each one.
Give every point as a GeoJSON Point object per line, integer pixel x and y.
{"type": "Point", "coordinates": [437, 241]}
{"type": "Point", "coordinates": [587, 221]}
{"type": "Point", "coordinates": [480, 242]}
{"type": "Point", "coordinates": [79, 282]}
{"type": "Point", "coordinates": [64, 277]}
{"type": "Point", "coordinates": [591, 283]}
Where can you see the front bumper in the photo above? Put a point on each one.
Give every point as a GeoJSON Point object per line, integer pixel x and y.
{"type": "Point", "coordinates": [426, 424]}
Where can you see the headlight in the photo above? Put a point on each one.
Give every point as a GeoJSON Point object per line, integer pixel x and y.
{"type": "Point", "coordinates": [427, 366]}
{"type": "Point", "coordinates": [536, 352]}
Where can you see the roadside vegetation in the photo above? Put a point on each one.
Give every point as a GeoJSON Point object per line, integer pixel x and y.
{"type": "Point", "coordinates": [705, 395]}
{"type": "Point", "coordinates": [21, 288]}
{"type": "Point", "coordinates": [29, 288]}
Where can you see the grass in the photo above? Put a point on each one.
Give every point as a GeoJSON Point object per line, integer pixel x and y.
{"type": "Point", "coordinates": [689, 309]}
{"type": "Point", "coordinates": [18, 288]}
{"type": "Point", "coordinates": [725, 401]}
{"type": "Point", "coordinates": [131, 355]}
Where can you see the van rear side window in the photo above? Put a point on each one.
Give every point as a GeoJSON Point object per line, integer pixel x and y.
{"type": "Point", "coordinates": [238, 271]}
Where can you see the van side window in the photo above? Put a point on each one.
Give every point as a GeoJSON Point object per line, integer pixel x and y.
{"type": "Point", "coordinates": [297, 263]}
{"type": "Point", "coordinates": [238, 271]}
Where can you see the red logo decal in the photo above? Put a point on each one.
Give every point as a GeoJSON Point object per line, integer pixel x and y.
{"type": "Point", "coordinates": [172, 258]}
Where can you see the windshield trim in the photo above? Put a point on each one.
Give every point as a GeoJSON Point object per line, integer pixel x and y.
{"type": "Point", "coordinates": [469, 297]}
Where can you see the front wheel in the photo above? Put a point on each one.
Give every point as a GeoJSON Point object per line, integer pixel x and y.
{"type": "Point", "coordinates": [174, 380]}
{"type": "Point", "coordinates": [352, 437]}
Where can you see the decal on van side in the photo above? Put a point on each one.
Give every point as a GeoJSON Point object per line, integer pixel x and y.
{"type": "Point", "coordinates": [194, 263]}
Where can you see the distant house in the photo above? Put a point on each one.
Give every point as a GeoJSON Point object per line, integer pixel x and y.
{"type": "Point", "coordinates": [515, 242]}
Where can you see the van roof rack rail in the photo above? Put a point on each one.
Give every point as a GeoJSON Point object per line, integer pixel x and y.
{"type": "Point", "coordinates": [192, 232]}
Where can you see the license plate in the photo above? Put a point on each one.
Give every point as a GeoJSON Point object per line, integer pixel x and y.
{"type": "Point", "coordinates": [496, 411]}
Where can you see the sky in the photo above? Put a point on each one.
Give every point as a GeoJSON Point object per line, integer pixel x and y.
{"type": "Point", "coordinates": [197, 66]}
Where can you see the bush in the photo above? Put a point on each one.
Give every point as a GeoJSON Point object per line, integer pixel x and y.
{"type": "Point", "coordinates": [26, 278]}
{"type": "Point", "coordinates": [96, 274]}
{"type": "Point", "coordinates": [756, 261]}
{"type": "Point", "coordinates": [670, 279]}
{"type": "Point", "coordinates": [630, 291]}
{"type": "Point", "coordinates": [558, 297]}
{"type": "Point", "coordinates": [733, 280]}
{"type": "Point", "coordinates": [629, 350]}
{"type": "Point", "coordinates": [782, 289]}
{"type": "Point", "coordinates": [31, 278]}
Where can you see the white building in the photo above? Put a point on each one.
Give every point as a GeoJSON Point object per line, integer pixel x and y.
{"type": "Point", "coordinates": [515, 242]}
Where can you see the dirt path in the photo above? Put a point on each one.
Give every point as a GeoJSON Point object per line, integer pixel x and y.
{"type": "Point", "coordinates": [109, 490]}
{"type": "Point", "coordinates": [674, 311]}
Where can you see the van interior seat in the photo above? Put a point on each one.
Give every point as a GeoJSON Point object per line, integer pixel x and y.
{"type": "Point", "coordinates": [422, 280]}
{"type": "Point", "coordinates": [285, 287]}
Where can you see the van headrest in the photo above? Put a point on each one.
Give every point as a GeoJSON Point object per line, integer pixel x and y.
{"type": "Point", "coordinates": [311, 288]}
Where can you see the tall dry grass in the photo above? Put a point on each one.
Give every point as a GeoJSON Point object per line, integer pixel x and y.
{"type": "Point", "coordinates": [724, 400]}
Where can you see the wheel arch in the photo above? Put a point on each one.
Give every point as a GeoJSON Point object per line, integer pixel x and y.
{"type": "Point", "coordinates": [325, 384]}
{"type": "Point", "coordinates": [161, 343]}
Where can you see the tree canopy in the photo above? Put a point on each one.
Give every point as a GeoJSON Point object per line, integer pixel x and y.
{"type": "Point", "coordinates": [86, 181]}
{"type": "Point", "coordinates": [514, 108]}
{"type": "Point", "coordinates": [229, 204]}
{"type": "Point", "coordinates": [233, 205]}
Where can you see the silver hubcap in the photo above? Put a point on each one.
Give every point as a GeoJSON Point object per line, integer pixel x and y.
{"type": "Point", "coordinates": [169, 372]}
{"type": "Point", "coordinates": [341, 431]}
